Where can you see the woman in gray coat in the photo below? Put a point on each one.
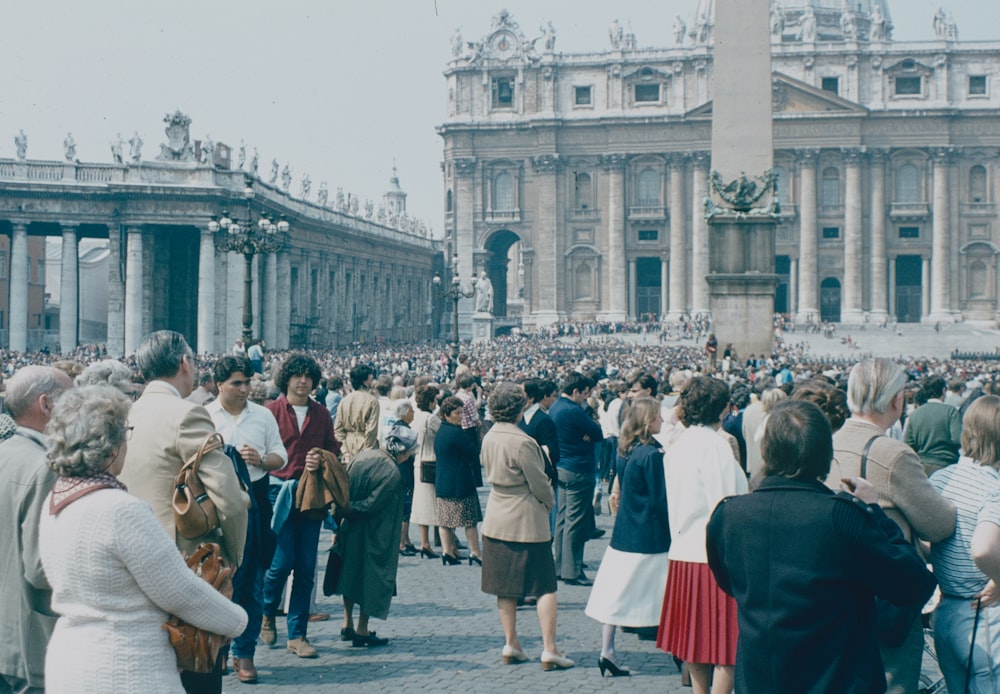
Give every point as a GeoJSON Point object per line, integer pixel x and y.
{"type": "Point", "coordinates": [517, 543]}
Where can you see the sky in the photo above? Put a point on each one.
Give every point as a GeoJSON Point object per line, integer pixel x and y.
{"type": "Point", "coordinates": [338, 89]}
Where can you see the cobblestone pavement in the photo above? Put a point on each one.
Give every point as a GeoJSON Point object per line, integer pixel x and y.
{"type": "Point", "coordinates": [445, 636]}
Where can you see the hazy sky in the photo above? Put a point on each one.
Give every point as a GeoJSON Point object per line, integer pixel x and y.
{"type": "Point", "coordinates": [335, 88]}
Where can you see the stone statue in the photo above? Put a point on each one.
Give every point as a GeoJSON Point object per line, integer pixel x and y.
{"type": "Point", "coordinates": [951, 29]}
{"type": "Point", "coordinates": [273, 179]}
{"type": "Point", "coordinates": [208, 151]}
{"type": "Point", "coordinates": [323, 194]}
{"type": "Point", "coordinates": [369, 209]}
{"type": "Point", "coordinates": [704, 19]}
{"type": "Point", "coordinates": [777, 21]}
{"type": "Point", "coordinates": [549, 34]}
{"type": "Point", "coordinates": [306, 186]}
{"type": "Point", "coordinates": [178, 146]}
{"type": "Point", "coordinates": [116, 149]}
{"type": "Point", "coordinates": [616, 34]}
{"type": "Point", "coordinates": [254, 163]}
{"type": "Point", "coordinates": [877, 32]}
{"type": "Point", "coordinates": [849, 23]}
{"type": "Point", "coordinates": [456, 43]}
{"type": "Point", "coordinates": [341, 205]}
{"type": "Point", "coordinates": [69, 147]}
{"type": "Point", "coordinates": [940, 24]}
{"type": "Point", "coordinates": [352, 203]}
{"type": "Point", "coordinates": [21, 145]}
{"type": "Point", "coordinates": [242, 159]}
{"type": "Point", "coordinates": [680, 28]}
{"type": "Point", "coordinates": [484, 294]}
{"type": "Point", "coordinates": [286, 177]}
{"type": "Point", "coordinates": [135, 148]}
{"type": "Point", "coordinates": [807, 25]}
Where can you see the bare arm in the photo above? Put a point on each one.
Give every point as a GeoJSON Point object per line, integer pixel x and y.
{"type": "Point", "coordinates": [986, 549]}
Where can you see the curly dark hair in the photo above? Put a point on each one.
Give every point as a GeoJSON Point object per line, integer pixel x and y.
{"type": "Point", "coordinates": [703, 401]}
{"type": "Point", "coordinates": [829, 398]}
{"type": "Point", "coordinates": [297, 365]}
{"type": "Point", "coordinates": [426, 396]}
{"type": "Point", "coordinates": [449, 405]}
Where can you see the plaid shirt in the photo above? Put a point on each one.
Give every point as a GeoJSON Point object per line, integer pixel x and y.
{"type": "Point", "coordinates": [470, 413]}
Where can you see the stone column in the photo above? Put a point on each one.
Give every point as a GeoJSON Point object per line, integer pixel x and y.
{"type": "Point", "coordinates": [678, 257]}
{"type": "Point", "coordinates": [891, 270]}
{"type": "Point", "coordinates": [464, 170]}
{"type": "Point", "coordinates": [853, 259]}
{"type": "Point", "coordinates": [18, 316]}
{"type": "Point", "coordinates": [664, 283]}
{"type": "Point", "coordinates": [926, 288]}
{"type": "Point", "coordinates": [940, 294]}
{"type": "Point", "coordinates": [615, 278]}
{"type": "Point", "coordinates": [206, 294]}
{"type": "Point", "coordinates": [793, 288]}
{"type": "Point", "coordinates": [69, 290]}
{"type": "Point", "coordinates": [270, 295]}
{"type": "Point", "coordinates": [699, 235]}
{"type": "Point", "coordinates": [808, 264]}
{"type": "Point", "coordinates": [134, 273]}
{"type": "Point", "coordinates": [879, 299]}
{"type": "Point", "coordinates": [283, 302]}
{"type": "Point", "coordinates": [633, 309]}
{"type": "Point", "coordinates": [116, 293]}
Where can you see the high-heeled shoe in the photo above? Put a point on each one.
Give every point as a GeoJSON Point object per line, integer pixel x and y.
{"type": "Point", "coordinates": [448, 560]}
{"type": "Point", "coordinates": [609, 665]}
{"type": "Point", "coordinates": [551, 661]}
{"type": "Point", "coordinates": [473, 559]}
{"type": "Point", "coordinates": [427, 553]}
{"type": "Point", "coordinates": [512, 656]}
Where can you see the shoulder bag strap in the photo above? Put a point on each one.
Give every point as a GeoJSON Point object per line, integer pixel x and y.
{"type": "Point", "coordinates": [864, 455]}
{"type": "Point", "coordinates": [211, 442]}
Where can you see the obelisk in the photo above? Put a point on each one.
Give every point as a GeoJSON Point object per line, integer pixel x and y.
{"type": "Point", "coordinates": [742, 210]}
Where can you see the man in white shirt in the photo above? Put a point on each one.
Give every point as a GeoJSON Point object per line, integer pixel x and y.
{"type": "Point", "coordinates": [253, 431]}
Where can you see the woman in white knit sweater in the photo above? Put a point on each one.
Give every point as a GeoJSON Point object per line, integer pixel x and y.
{"type": "Point", "coordinates": [115, 575]}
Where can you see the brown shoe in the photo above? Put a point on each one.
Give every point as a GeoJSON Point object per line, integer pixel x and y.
{"type": "Point", "coordinates": [267, 632]}
{"type": "Point", "coordinates": [301, 648]}
{"type": "Point", "coordinates": [319, 616]}
{"type": "Point", "coordinates": [245, 670]}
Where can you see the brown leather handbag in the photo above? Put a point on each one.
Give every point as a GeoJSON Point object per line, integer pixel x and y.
{"type": "Point", "coordinates": [198, 650]}
{"type": "Point", "coordinates": [195, 514]}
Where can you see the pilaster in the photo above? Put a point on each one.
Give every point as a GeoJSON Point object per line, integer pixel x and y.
{"type": "Point", "coordinates": [699, 234]}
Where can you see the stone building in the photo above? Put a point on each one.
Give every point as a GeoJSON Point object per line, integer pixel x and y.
{"type": "Point", "coordinates": [577, 181]}
{"type": "Point", "coordinates": [346, 274]}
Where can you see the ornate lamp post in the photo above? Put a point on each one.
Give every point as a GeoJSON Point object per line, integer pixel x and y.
{"type": "Point", "coordinates": [249, 237]}
{"type": "Point", "coordinates": [455, 292]}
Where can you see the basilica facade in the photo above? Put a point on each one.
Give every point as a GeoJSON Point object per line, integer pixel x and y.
{"type": "Point", "coordinates": [577, 181]}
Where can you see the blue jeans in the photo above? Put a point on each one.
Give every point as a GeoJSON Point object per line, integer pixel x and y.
{"type": "Point", "coordinates": [297, 546]}
{"type": "Point", "coordinates": [953, 621]}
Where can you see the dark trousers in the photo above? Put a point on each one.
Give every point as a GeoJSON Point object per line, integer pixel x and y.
{"type": "Point", "coordinates": [574, 521]}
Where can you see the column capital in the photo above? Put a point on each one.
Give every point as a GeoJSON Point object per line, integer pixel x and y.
{"type": "Point", "coordinates": [806, 156]}
{"type": "Point", "coordinates": [545, 163]}
{"type": "Point", "coordinates": [613, 162]}
{"type": "Point", "coordinates": [852, 155]}
{"type": "Point", "coordinates": [699, 158]}
{"type": "Point", "coordinates": [677, 160]}
{"type": "Point", "coordinates": [21, 224]}
{"type": "Point", "coordinates": [464, 166]}
{"type": "Point", "coordinates": [942, 156]}
{"type": "Point", "coordinates": [878, 155]}
{"type": "Point", "coordinates": [69, 226]}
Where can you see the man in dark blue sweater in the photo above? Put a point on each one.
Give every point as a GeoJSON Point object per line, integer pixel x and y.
{"type": "Point", "coordinates": [578, 436]}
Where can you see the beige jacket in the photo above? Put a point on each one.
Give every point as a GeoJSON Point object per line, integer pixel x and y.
{"type": "Point", "coordinates": [521, 494]}
{"type": "Point", "coordinates": [356, 427]}
{"type": "Point", "coordinates": [167, 430]}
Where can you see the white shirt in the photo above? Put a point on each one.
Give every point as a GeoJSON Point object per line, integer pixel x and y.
{"type": "Point", "coordinates": [255, 426]}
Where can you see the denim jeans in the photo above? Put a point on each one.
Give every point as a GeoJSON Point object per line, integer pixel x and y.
{"type": "Point", "coordinates": [953, 622]}
{"type": "Point", "coordinates": [295, 553]}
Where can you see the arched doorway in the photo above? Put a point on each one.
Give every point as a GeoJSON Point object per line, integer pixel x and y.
{"type": "Point", "coordinates": [498, 266]}
{"type": "Point", "coordinates": [829, 300]}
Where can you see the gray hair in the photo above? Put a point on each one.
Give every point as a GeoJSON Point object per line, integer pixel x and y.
{"type": "Point", "coordinates": [506, 402]}
{"type": "Point", "coordinates": [88, 424]}
{"type": "Point", "coordinates": [873, 384]}
{"type": "Point", "coordinates": [32, 382]}
{"type": "Point", "coordinates": [110, 372]}
{"type": "Point", "coordinates": [402, 408]}
{"type": "Point", "coordinates": [161, 353]}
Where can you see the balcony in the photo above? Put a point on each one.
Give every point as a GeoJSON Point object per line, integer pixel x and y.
{"type": "Point", "coordinates": [502, 216]}
{"type": "Point", "coordinates": [909, 211]}
{"type": "Point", "coordinates": [979, 209]}
{"type": "Point", "coordinates": [584, 214]}
{"type": "Point", "coordinates": [647, 213]}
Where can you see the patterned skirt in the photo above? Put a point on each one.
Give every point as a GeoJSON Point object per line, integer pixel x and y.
{"type": "Point", "coordinates": [459, 512]}
{"type": "Point", "coordinates": [698, 623]}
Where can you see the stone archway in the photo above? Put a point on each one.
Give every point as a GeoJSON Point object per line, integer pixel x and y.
{"type": "Point", "coordinates": [497, 265]}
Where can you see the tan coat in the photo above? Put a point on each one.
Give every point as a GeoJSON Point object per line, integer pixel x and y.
{"type": "Point", "coordinates": [905, 494]}
{"type": "Point", "coordinates": [521, 494]}
{"type": "Point", "coordinates": [167, 431]}
{"type": "Point", "coordinates": [356, 427]}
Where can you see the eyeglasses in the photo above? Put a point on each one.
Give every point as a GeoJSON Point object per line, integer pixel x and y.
{"type": "Point", "coordinates": [128, 433]}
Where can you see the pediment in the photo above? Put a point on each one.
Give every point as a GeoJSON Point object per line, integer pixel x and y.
{"type": "Point", "coordinates": [792, 96]}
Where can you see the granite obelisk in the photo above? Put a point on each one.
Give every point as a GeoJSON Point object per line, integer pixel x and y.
{"type": "Point", "coordinates": [742, 209]}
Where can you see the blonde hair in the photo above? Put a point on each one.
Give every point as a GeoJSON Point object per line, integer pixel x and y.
{"type": "Point", "coordinates": [640, 413]}
{"type": "Point", "coordinates": [771, 397]}
{"type": "Point", "coordinates": [981, 430]}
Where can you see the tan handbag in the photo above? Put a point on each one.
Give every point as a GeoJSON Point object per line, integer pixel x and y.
{"type": "Point", "coordinates": [197, 650]}
{"type": "Point", "coordinates": [195, 514]}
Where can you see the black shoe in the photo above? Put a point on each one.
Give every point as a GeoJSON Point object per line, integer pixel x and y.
{"type": "Point", "coordinates": [448, 560]}
{"type": "Point", "coordinates": [597, 534]}
{"type": "Point", "coordinates": [609, 665]}
{"type": "Point", "coordinates": [580, 580]}
{"type": "Point", "coordinates": [647, 633]}
{"type": "Point", "coordinates": [408, 551]}
{"type": "Point", "coordinates": [347, 634]}
{"type": "Point", "coordinates": [427, 553]}
{"type": "Point", "coordinates": [369, 640]}
{"type": "Point", "coordinates": [474, 560]}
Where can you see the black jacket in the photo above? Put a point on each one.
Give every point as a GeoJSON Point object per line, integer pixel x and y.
{"type": "Point", "coordinates": [641, 525]}
{"type": "Point", "coordinates": [457, 456]}
{"type": "Point", "coordinates": [805, 565]}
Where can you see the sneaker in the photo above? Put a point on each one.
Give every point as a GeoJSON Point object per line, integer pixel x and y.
{"type": "Point", "coordinates": [267, 632]}
{"type": "Point", "coordinates": [301, 648]}
{"type": "Point", "coordinates": [369, 640]}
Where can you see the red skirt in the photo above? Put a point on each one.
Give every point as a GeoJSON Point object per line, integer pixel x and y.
{"type": "Point", "coordinates": [698, 621]}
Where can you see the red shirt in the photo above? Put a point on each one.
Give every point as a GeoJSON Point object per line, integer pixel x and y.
{"type": "Point", "coordinates": [317, 432]}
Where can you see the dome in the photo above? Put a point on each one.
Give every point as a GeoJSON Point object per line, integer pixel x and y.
{"type": "Point", "coordinates": [811, 20]}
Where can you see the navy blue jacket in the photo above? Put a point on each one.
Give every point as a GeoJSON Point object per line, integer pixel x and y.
{"type": "Point", "coordinates": [456, 454]}
{"type": "Point", "coordinates": [641, 525]}
{"type": "Point", "coordinates": [577, 434]}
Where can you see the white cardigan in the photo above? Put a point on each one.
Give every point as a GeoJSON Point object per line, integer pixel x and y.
{"type": "Point", "coordinates": [699, 469]}
{"type": "Point", "coordinates": [115, 575]}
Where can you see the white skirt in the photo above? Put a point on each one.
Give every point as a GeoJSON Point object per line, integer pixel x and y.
{"type": "Point", "coordinates": [628, 589]}
{"type": "Point", "coordinates": [424, 510]}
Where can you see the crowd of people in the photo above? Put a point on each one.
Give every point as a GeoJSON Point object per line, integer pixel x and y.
{"type": "Point", "coordinates": [710, 462]}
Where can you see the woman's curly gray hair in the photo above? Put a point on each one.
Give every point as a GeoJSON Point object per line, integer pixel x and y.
{"type": "Point", "coordinates": [88, 424]}
{"type": "Point", "coordinates": [506, 402]}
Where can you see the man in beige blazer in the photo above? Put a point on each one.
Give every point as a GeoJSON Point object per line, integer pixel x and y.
{"type": "Point", "coordinates": [167, 430]}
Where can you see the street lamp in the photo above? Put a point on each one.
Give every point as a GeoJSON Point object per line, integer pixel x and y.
{"type": "Point", "coordinates": [455, 293]}
{"type": "Point", "coordinates": [249, 237]}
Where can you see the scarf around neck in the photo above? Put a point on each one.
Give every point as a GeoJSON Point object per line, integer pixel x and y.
{"type": "Point", "coordinates": [68, 489]}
